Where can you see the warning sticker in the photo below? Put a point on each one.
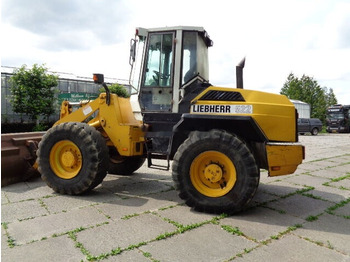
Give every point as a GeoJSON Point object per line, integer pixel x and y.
{"type": "Point", "coordinates": [222, 109]}
{"type": "Point", "coordinates": [87, 110]}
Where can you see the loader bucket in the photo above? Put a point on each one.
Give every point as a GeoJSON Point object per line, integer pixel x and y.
{"type": "Point", "coordinates": [18, 155]}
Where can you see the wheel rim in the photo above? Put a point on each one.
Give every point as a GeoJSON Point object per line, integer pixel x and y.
{"type": "Point", "coordinates": [65, 159]}
{"type": "Point", "coordinates": [213, 174]}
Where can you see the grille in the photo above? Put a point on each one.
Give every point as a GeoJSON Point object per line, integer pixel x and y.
{"type": "Point", "coordinates": [222, 96]}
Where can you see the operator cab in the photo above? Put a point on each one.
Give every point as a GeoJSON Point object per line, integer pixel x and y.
{"type": "Point", "coordinates": [172, 58]}
{"type": "Point", "coordinates": [171, 70]}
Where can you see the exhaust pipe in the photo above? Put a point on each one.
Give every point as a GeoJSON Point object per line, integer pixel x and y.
{"type": "Point", "coordinates": [239, 73]}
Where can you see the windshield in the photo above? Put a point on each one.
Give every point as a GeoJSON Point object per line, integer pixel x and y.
{"type": "Point", "coordinates": [335, 116]}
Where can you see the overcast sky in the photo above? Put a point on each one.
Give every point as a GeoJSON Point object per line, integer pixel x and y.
{"type": "Point", "coordinates": [310, 37]}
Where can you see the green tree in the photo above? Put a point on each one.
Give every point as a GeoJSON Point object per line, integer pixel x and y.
{"type": "Point", "coordinates": [117, 89]}
{"type": "Point", "coordinates": [308, 90]}
{"type": "Point", "coordinates": [330, 97]}
{"type": "Point", "coordinates": [33, 92]}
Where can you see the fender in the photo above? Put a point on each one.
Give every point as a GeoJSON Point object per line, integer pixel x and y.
{"type": "Point", "coordinates": [244, 127]}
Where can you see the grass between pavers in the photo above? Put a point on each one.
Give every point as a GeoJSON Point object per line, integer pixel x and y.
{"type": "Point", "coordinates": [10, 241]}
{"type": "Point", "coordinates": [303, 191]}
{"type": "Point", "coordinates": [184, 228]}
{"type": "Point", "coordinates": [236, 231]}
{"type": "Point", "coordinates": [310, 219]}
{"type": "Point", "coordinates": [334, 180]}
{"type": "Point", "coordinates": [180, 230]}
{"type": "Point", "coordinates": [319, 243]}
{"type": "Point", "coordinates": [41, 203]}
{"type": "Point", "coordinates": [298, 191]}
{"type": "Point", "coordinates": [331, 209]}
{"type": "Point", "coordinates": [328, 158]}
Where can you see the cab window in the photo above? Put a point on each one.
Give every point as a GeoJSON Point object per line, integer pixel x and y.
{"type": "Point", "coordinates": [159, 60]}
{"type": "Point", "coordinates": [194, 57]}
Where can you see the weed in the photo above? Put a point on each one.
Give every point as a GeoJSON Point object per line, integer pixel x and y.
{"type": "Point", "coordinates": [146, 254]}
{"type": "Point", "coordinates": [11, 242]}
{"type": "Point", "coordinates": [166, 235]}
{"type": "Point", "coordinates": [299, 191]}
{"type": "Point", "coordinates": [126, 217]}
{"type": "Point", "coordinates": [313, 196]}
{"type": "Point", "coordinates": [168, 207]}
{"type": "Point", "coordinates": [4, 225]}
{"type": "Point", "coordinates": [43, 205]}
{"type": "Point", "coordinates": [329, 245]}
{"type": "Point", "coordinates": [333, 180]}
{"type": "Point", "coordinates": [116, 251]}
{"type": "Point", "coordinates": [289, 229]}
{"type": "Point", "coordinates": [131, 247]}
{"type": "Point", "coordinates": [336, 206]}
{"type": "Point", "coordinates": [48, 196]}
{"type": "Point", "coordinates": [232, 230]}
{"type": "Point", "coordinates": [311, 218]}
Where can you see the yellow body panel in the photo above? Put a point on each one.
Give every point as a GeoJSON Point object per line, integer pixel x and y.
{"type": "Point", "coordinates": [274, 113]}
{"type": "Point", "coordinates": [284, 159]}
{"type": "Point", "coordinates": [122, 128]}
{"type": "Point", "coordinates": [117, 121]}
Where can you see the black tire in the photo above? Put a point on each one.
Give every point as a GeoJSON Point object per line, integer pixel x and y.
{"type": "Point", "coordinates": [125, 166]}
{"type": "Point", "coordinates": [72, 158]}
{"type": "Point", "coordinates": [314, 131]}
{"type": "Point", "coordinates": [227, 198]}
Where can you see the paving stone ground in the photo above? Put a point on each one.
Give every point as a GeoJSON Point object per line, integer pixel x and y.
{"type": "Point", "coordinates": [299, 217]}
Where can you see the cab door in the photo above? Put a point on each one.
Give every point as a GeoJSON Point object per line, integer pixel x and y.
{"type": "Point", "coordinates": [156, 90]}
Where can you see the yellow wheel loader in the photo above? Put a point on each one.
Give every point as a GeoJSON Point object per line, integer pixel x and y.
{"type": "Point", "coordinates": [217, 138]}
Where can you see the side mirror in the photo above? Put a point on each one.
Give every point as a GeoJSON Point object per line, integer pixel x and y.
{"type": "Point", "coordinates": [132, 51]}
{"type": "Point", "coordinates": [98, 78]}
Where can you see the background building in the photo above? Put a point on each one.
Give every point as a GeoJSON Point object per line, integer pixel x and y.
{"type": "Point", "coordinates": [302, 108]}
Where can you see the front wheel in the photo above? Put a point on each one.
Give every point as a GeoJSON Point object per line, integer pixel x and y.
{"type": "Point", "coordinates": [215, 172]}
{"type": "Point", "coordinates": [72, 158]}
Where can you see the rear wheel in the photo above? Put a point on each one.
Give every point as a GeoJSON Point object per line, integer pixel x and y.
{"type": "Point", "coordinates": [314, 131]}
{"type": "Point", "coordinates": [72, 158]}
{"type": "Point", "coordinates": [215, 172]}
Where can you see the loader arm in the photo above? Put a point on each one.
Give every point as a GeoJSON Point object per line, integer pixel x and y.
{"type": "Point", "coordinates": [80, 114]}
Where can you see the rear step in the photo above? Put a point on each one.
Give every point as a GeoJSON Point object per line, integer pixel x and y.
{"type": "Point", "coordinates": [158, 156]}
